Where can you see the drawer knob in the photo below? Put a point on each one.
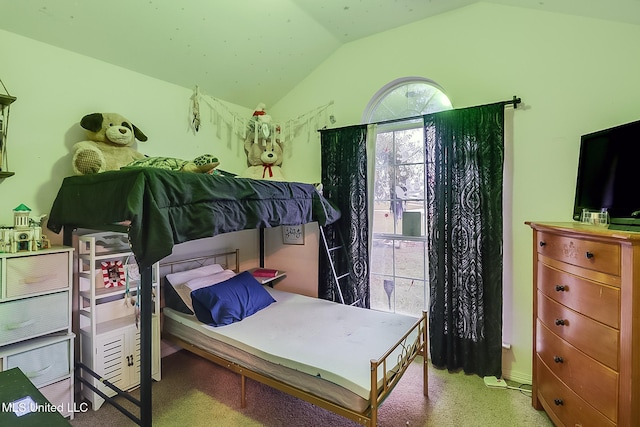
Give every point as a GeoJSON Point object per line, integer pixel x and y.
{"type": "Point", "coordinates": [560, 288]}
{"type": "Point", "coordinates": [560, 322]}
{"type": "Point", "coordinates": [589, 255]}
{"type": "Point", "coordinates": [542, 243]}
{"type": "Point", "coordinates": [558, 359]}
{"type": "Point", "coordinates": [558, 402]}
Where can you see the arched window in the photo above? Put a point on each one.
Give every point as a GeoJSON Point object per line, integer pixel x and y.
{"type": "Point", "coordinates": [398, 279]}
{"type": "Point", "coordinates": [406, 97]}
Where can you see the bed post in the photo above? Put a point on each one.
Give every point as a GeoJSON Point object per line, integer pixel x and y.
{"type": "Point", "coordinates": [374, 393]}
{"type": "Point", "coordinates": [261, 248]}
{"type": "Point", "coordinates": [243, 393]}
{"type": "Point", "coordinates": [146, 308]}
{"type": "Point", "coordinates": [67, 235]}
{"type": "Point", "coordinates": [425, 353]}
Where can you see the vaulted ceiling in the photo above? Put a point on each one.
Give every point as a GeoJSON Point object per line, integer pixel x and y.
{"type": "Point", "coordinates": [243, 51]}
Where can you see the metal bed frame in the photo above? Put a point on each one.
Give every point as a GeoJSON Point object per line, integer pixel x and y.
{"type": "Point", "coordinates": [385, 371]}
{"type": "Point", "coordinates": [380, 389]}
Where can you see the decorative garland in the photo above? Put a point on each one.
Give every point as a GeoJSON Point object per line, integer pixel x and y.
{"type": "Point", "coordinates": [223, 118]}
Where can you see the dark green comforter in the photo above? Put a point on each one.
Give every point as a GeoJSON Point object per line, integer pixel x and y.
{"type": "Point", "coordinates": [163, 208]}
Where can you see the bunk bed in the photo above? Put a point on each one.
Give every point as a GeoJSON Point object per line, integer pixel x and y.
{"type": "Point", "coordinates": [159, 208]}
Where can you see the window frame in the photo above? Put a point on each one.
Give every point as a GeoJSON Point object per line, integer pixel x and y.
{"type": "Point", "coordinates": [395, 124]}
{"type": "Point", "coordinates": [378, 98]}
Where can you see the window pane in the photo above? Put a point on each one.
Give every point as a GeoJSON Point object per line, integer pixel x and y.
{"type": "Point", "coordinates": [383, 219]}
{"type": "Point", "coordinates": [410, 296]}
{"type": "Point", "coordinates": [409, 100]}
{"type": "Point", "coordinates": [380, 299]}
{"type": "Point", "coordinates": [382, 256]}
{"type": "Point", "coordinates": [410, 182]}
{"type": "Point", "coordinates": [401, 295]}
{"type": "Point", "coordinates": [409, 146]}
{"type": "Point", "coordinates": [409, 259]}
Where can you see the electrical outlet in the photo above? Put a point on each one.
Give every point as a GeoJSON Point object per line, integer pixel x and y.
{"type": "Point", "coordinates": [493, 382]}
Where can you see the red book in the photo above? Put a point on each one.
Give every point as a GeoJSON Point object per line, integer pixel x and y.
{"type": "Point", "coordinates": [265, 272]}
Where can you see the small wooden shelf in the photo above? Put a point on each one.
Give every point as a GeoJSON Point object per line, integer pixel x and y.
{"type": "Point", "coordinates": [7, 99]}
{"type": "Point", "coordinates": [265, 280]}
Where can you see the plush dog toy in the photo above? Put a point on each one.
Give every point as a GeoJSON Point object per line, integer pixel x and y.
{"type": "Point", "coordinates": [263, 147]}
{"type": "Point", "coordinates": [109, 146]}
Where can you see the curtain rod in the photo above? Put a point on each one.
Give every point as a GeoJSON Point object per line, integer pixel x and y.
{"type": "Point", "coordinates": [514, 101]}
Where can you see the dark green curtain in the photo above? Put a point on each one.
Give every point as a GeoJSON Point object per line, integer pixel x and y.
{"type": "Point", "coordinates": [344, 179]}
{"type": "Point", "coordinates": [465, 153]}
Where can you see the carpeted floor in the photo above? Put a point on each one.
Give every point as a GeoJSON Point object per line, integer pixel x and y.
{"type": "Point", "coordinates": [195, 392]}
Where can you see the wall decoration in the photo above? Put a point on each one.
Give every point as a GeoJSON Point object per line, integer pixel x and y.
{"type": "Point", "coordinates": [5, 105]}
{"type": "Point", "coordinates": [113, 274]}
{"type": "Point", "coordinates": [26, 233]}
{"type": "Point", "coordinates": [235, 125]}
{"type": "Point", "coordinates": [293, 234]}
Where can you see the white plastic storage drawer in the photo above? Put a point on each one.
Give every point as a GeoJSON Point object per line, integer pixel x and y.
{"type": "Point", "coordinates": [43, 364]}
{"type": "Point", "coordinates": [34, 274]}
{"type": "Point", "coordinates": [60, 395]}
{"type": "Point", "coordinates": [30, 317]}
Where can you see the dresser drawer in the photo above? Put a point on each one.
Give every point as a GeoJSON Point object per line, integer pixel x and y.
{"type": "Point", "coordinates": [38, 273]}
{"type": "Point", "coordinates": [592, 381]}
{"type": "Point", "coordinates": [593, 338]}
{"type": "Point", "coordinates": [30, 317]}
{"type": "Point", "coordinates": [43, 364]}
{"type": "Point", "coordinates": [599, 256]}
{"type": "Point", "coordinates": [564, 404]}
{"type": "Point", "coordinates": [600, 302]}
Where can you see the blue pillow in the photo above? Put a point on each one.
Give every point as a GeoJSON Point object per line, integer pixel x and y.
{"type": "Point", "coordinates": [230, 301]}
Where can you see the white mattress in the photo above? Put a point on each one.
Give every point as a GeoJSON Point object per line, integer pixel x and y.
{"type": "Point", "coordinates": [312, 342]}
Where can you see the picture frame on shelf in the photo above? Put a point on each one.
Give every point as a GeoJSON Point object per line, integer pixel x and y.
{"type": "Point", "coordinates": [113, 274]}
{"type": "Point", "coordinates": [293, 234]}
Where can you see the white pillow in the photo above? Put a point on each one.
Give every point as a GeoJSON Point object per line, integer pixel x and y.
{"type": "Point", "coordinates": [184, 276]}
{"type": "Point", "coordinates": [184, 289]}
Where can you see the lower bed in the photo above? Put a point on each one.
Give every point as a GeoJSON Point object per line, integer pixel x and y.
{"type": "Point", "coordinates": [342, 358]}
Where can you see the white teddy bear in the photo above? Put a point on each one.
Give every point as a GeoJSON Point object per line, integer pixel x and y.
{"type": "Point", "coordinates": [263, 147]}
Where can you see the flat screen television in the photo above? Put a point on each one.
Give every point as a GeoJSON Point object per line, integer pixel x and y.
{"type": "Point", "coordinates": [609, 175]}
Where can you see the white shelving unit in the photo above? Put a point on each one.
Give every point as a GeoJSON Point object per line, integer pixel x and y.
{"type": "Point", "coordinates": [35, 321]}
{"type": "Point", "coordinates": [109, 327]}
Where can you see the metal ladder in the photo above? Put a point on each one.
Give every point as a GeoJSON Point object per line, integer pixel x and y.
{"type": "Point", "coordinates": [329, 251]}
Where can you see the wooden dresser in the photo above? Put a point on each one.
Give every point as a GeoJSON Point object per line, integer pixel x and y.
{"type": "Point", "coordinates": [586, 324]}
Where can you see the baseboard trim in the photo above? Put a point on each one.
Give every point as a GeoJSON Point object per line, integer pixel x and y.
{"type": "Point", "coordinates": [518, 377]}
{"type": "Point", "coordinates": [167, 349]}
